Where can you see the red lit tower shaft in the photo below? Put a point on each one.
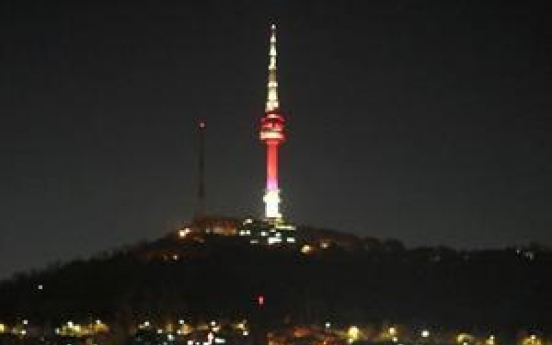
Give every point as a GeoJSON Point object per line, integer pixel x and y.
{"type": "Point", "coordinates": [272, 165]}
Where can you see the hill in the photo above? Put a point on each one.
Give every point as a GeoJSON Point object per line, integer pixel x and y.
{"type": "Point", "coordinates": [326, 275]}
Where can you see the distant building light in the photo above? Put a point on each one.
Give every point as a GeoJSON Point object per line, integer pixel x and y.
{"type": "Point", "coordinates": [25, 322]}
{"type": "Point", "coordinates": [425, 333]}
{"type": "Point", "coordinates": [245, 333]}
{"type": "Point", "coordinates": [184, 232]}
{"type": "Point", "coordinates": [264, 233]}
{"type": "Point", "coordinates": [328, 325]}
{"type": "Point", "coordinates": [181, 322]}
{"type": "Point", "coordinates": [306, 249]}
{"type": "Point", "coordinates": [248, 221]}
{"type": "Point", "coordinates": [290, 240]}
{"type": "Point", "coordinates": [353, 334]}
{"type": "Point", "coordinates": [40, 287]}
{"type": "Point", "coordinates": [159, 331]}
{"type": "Point", "coordinates": [274, 240]}
{"type": "Point", "coordinates": [210, 338]}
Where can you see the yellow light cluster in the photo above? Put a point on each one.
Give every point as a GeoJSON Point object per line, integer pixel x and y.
{"type": "Point", "coordinates": [532, 340]}
{"type": "Point", "coordinates": [73, 329]}
{"type": "Point", "coordinates": [307, 249]}
{"type": "Point", "coordinates": [353, 334]}
{"type": "Point", "coordinates": [465, 339]}
{"type": "Point", "coordinates": [490, 340]}
{"type": "Point", "coordinates": [184, 232]}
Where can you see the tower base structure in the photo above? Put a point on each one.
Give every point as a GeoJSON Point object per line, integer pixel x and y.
{"type": "Point", "coordinates": [272, 205]}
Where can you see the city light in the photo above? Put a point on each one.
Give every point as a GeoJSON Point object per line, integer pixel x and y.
{"type": "Point", "coordinates": [532, 339]}
{"type": "Point", "coordinates": [307, 249]}
{"type": "Point", "coordinates": [260, 300]}
{"type": "Point", "coordinates": [490, 340]}
{"type": "Point", "coordinates": [216, 332]}
{"type": "Point", "coordinates": [464, 339]}
{"type": "Point", "coordinates": [353, 333]}
{"type": "Point", "coordinates": [182, 233]}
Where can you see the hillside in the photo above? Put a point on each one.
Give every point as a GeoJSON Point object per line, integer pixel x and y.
{"type": "Point", "coordinates": [326, 276]}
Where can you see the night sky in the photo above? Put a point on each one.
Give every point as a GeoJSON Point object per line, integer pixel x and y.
{"type": "Point", "coordinates": [425, 121]}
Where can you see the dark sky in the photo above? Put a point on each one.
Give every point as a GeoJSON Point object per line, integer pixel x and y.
{"type": "Point", "coordinates": [426, 121]}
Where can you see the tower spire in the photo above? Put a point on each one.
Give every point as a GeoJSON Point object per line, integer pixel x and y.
{"type": "Point", "coordinates": [272, 103]}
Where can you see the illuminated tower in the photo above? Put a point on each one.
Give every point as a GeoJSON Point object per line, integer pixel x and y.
{"type": "Point", "coordinates": [272, 135]}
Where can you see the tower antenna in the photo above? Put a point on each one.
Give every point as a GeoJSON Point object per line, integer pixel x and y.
{"type": "Point", "coordinates": [202, 127]}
